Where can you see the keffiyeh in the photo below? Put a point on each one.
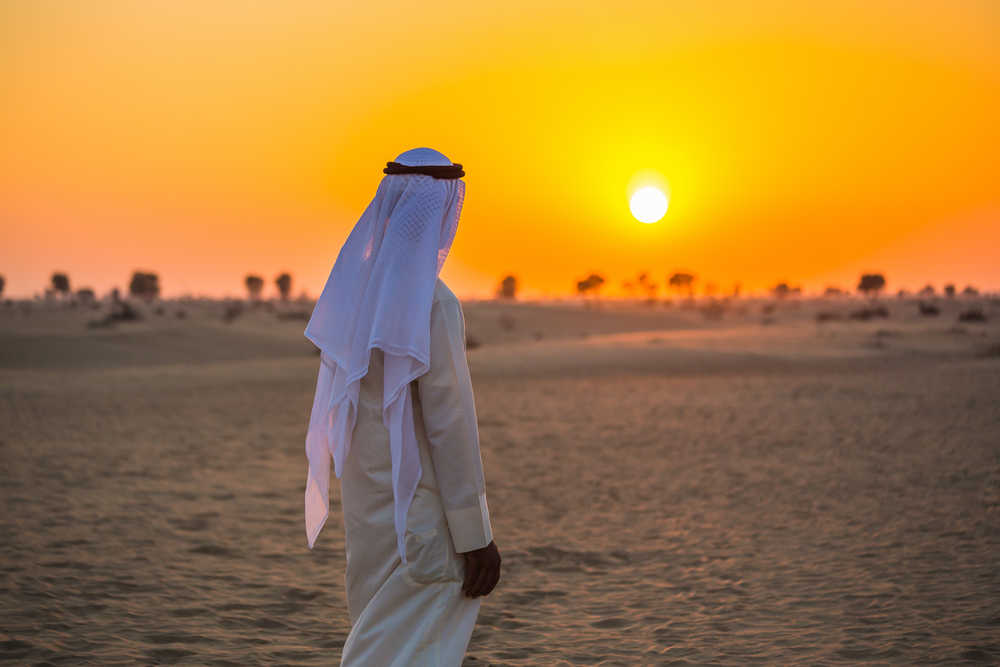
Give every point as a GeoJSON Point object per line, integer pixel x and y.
{"type": "Point", "coordinates": [379, 294]}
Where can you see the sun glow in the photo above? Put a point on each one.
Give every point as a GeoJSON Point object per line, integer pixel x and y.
{"type": "Point", "coordinates": [649, 204]}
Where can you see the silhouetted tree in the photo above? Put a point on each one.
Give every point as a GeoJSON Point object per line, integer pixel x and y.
{"type": "Point", "coordinates": [254, 285]}
{"type": "Point", "coordinates": [60, 283]}
{"type": "Point", "coordinates": [871, 283]}
{"type": "Point", "coordinates": [144, 285]}
{"type": "Point", "coordinates": [507, 288]}
{"type": "Point", "coordinates": [647, 285]}
{"type": "Point", "coordinates": [737, 288]}
{"type": "Point", "coordinates": [833, 291]}
{"type": "Point", "coordinates": [284, 284]}
{"type": "Point", "coordinates": [682, 281]}
{"type": "Point", "coordinates": [949, 290]}
{"type": "Point", "coordinates": [3, 283]}
{"type": "Point", "coordinates": [928, 290]}
{"type": "Point", "coordinates": [591, 283]}
{"type": "Point", "coordinates": [970, 291]}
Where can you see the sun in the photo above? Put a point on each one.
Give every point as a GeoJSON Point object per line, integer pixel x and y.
{"type": "Point", "coordinates": [648, 204]}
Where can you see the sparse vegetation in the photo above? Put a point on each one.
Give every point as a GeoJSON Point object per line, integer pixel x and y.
{"type": "Point", "coordinates": [784, 290]}
{"type": "Point", "coordinates": [970, 291]}
{"type": "Point", "coordinates": [284, 284]}
{"type": "Point", "coordinates": [591, 283]}
{"type": "Point", "coordinates": [682, 282]}
{"type": "Point", "coordinates": [928, 290]}
{"type": "Point", "coordinates": [144, 285]}
{"type": "Point", "coordinates": [868, 313]}
{"type": "Point", "coordinates": [60, 283]}
{"type": "Point", "coordinates": [949, 290]}
{"type": "Point", "coordinates": [232, 311]}
{"type": "Point", "coordinates": [507, 289]}
{"type": "Point", "coordinates": [827, 316]}
{"type": "Point", "coordinates": [974, 314]}
{"type": "Point", "coordinates": [833, 291]}
{"type": "Point", "coordinates": [254, 285]}
{"type": "Point", "coordinates": [3, 283]}
{"type": "Point", "coordinates": [86, 297]}
{"type": "Point", "coordinates": [928, 309]}
{"type": "Point", "coordinates": [871, 284]}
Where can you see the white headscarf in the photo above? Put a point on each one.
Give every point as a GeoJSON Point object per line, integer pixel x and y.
{"type": "Point", "coordinates": [379, 294]}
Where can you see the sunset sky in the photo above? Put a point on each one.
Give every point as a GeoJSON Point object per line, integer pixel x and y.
{"type": "Point", "coordinates": [802, 142]}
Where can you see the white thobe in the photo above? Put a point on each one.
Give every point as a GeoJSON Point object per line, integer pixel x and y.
{"type": "Point", "coordinates": [416, 613]}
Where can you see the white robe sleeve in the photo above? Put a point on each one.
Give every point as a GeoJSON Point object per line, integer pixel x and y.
{"type": "Point", "coordinates": [449, 412]}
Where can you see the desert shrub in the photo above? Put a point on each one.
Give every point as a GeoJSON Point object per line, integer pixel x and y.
{"type": "Point", "coordinates": [293, 315]}
{"type": "Point", "coordinates": [974, 314]}
{"type": "Point", "coordinates": [160, 311]}
{"type": "Point", "coordinates": [826, 316]}
{"type": "Point", "coordinates": [869, 313]}
{"type": "Point", "coordinates": [928, 309]}
{"type": "Point", "coordinates": [180, 314]}
{"type": "Point", "coordinates": [121, 311]}
{"type": "Point", "coordinates": [232, 311]}
{"type": "Point", "coordinates": [713, 311]}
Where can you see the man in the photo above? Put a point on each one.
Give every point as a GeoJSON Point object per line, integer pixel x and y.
{"type": "Point", "coordinates": [395, 411]}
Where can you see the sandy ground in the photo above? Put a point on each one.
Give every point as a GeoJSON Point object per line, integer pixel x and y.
{"type": "Point", "coordinates": [665, 488]}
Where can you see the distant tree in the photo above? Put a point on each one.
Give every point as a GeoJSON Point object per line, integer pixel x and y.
{"type": "Point", "coordinates": [507, 289]}
{"type": "Point", "coordinates": [682, 282]}
{"type": "Point", "coordinates": [737, 288]}
{"type": "Point", "coordinates": [928, 290]}
{"type": "Point", "coordinates": [949, 290]}
{"type": "Point", "coordinates": [781, 290]}
{"type": "Point", "coordinates": [86, 296]}
{"type": "Point", "coordinates": [144, 285]}
{"type": "Point", "coordinates": [648, 287]}
{"type": "Point", "coordinates": [591, 283]}
{"type": "Point", "coordinates": [60, 283]}
{"type": "Point", "coordinates": [970, 291]}
{"type": "Point", "coordinates": [871, 283]}
{"type": "Point", "coordinates": [284, 284]}
{"type": "Point", "coordinates": [628, 287]}
{"type": "Point", "coordinates": [833, 291]}
{"type": "Point", "coordinates": [3, 283]}
{"type": "Point", "coordinates": [254, 285]}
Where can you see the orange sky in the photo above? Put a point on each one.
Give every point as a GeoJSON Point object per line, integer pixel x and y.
{"type": "Point", "coordinates": [802, 142]}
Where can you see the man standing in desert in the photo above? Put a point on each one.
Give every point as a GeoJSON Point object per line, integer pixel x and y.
{"type": "Point", "coordinates": [394, 410]}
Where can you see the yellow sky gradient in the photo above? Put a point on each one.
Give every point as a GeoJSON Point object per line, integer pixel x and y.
{"type": "Point", "coordinates": [803, 142]}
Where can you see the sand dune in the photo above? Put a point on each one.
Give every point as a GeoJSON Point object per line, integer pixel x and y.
{"type": "Point", "coordinates": [666, 489]}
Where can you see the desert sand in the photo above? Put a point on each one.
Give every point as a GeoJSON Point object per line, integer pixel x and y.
{"type": "Point", "coordinates": [666, 488]}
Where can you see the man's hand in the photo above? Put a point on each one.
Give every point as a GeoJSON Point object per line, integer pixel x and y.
{"type": "Point", "coordinates": [482, 570]}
